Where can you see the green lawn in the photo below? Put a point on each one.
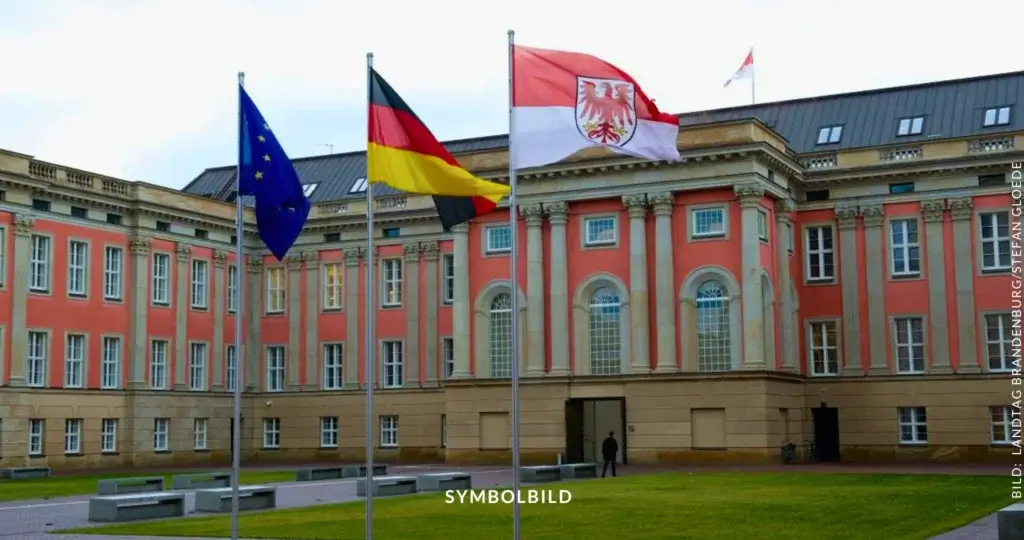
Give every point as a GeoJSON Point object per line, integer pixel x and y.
{"type": "Point", "coordinates": [703, 506]}
{"type": "Point", "coordinates": [64, 486]}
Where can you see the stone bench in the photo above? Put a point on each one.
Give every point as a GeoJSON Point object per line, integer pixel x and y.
{"type": "Point", "coordinates": [335, 472]}
{"type": "Point", "coordinates": [1010, 522]}
{"type": "Point", "coordinates": [201, 480]}
{"type": "Point", "coordinates": [578, 470]}
{"type": "Point", "coordinates": [359, 471]}
{"type": "Point", "coordinates": [139, 484]}
{"type": "Point", "coordinates": [539, 474]}
{"type": "Point", "coordinates": [18, 473]}
{"type": "Point", "coordinates": [384, 486]}
{"type": "Point", "coordinates": [249, 498]}
{"type": "Point", "coordinates": [444, 481]}
{"type": "Point", "coordinates": [135, 506]}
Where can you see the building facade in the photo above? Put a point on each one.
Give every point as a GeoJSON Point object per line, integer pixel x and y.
{"type": "Point", "coordinates": [836, 269]}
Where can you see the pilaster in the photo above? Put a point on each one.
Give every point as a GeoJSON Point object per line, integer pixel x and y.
{"type": "Point", "coordinates": [411, 358]}
{"type": "Point", "coordinates": [181, 306]}
{"type": "Point", "coordinates": [312, 302]}
{"type": "Point", "coordinates": [664, 282]}
{"type": "Point", "coordinates": [848, 283]}
{"type": "Point", "coordinates": [640, 359]}
{"type": "Point", "coordinates": [790, 337]}
{"type": "Point", "coordinates": [934, 212]}
{"type": "Point", "coordinates": [558, 267]}
{"type": "Point", "coordinates": [19, 308]}
{"type": "Point", "coordinates": [962, 211]}
{"type": "Point", "coordinates": [749, 197]}
{"type": "Point", "coordinates": [136, 351]}
{"type": "Point", "coordinates": [431, 254]}
{"type": "Point", "coordinates": [535, 349]}
{"type": "Point", "coordinates": [292, 364]}
{"type": "Point", "coordinates": [220, 261]}
{"type": "Point", "coordinates": [352, 317]}
{"type": "Point", "coordinates": [253, 342]}
{"type": "Point", "coordinates": [874, 217]}
{"type": "Point", "coordinates": [461, 302]}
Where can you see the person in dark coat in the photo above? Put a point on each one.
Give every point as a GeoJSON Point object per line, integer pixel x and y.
{"type": "Point", "coordinates": [609, 449]}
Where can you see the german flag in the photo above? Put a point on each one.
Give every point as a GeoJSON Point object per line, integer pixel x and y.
{"type": "Point", "coordinates": [405, 155]}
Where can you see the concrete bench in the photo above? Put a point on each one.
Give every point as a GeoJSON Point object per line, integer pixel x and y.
{"type": "Point", "coordinates": [444, 481]}
{"type": "Point", "coordinates": [249, 498]}
{"type": "Point", "coordinates": [139, 484]}
{"type": "Point", "coordinates": [135, 506]}
{"type": "Point", "coordinates": [384, 486]}
{"type": "Point", "coordinates": [18, 473]}
{"type": "Point", "coordinates": [359, 471]}
{"type": "Point", "coordinates": [539, 474]}
{"type": "Point", "coordinates": [201, 480]}
{"type": "Point", "coordinates": [1010, 522]}
{"type": "Point", "coordinates": [578, 470]}
{"type": "Point", "coordinates": [310, 474]}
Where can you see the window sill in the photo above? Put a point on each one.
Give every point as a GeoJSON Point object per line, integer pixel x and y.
{"type": "Point", "coordinates": [388, 447]}
{"type": "Point", "coordinates": [600, 245]}
{"type": "Point", "coordinates": [113, 300]}
{"type": "Point", "coordinates": [332, 309]}
{"type": "Point", "coordinates": [113, 453]}
{"type": "Point", "coordinates": [78, 296]}
{"type": "Point", "coordinates": [703, 237]}
{"type": "Point", "coordinates": [74, 454]}
{"type": "Point", "coordinates": [328, 448]}
{"type": "Point", "coordinates": [199, 308]}
{"type": "Point", "coordinates": [994, 271]}
{"type": "Point", "coordinates": [391, 306]}
{"type": "Point", "coordinates": [1002, 444]}
{"type": "Point", "coordinates": [905, 277]}
{"type": "Point", "coordinates": [201, 450]}
{"type": "Point", "coordinates": [914, 444]}
{"type": "Point", "coordinates": [161, 452]}
{"type": "Point", "coordinates": [820, 282]}
{"type": "Point", "coordinates": [270, 448]}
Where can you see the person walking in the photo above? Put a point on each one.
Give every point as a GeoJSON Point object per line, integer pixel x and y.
{"type": "Point", "coordinates": [609, 450]}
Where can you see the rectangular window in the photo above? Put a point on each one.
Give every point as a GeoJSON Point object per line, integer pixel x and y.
{"type": "Point", "coordinates": [200, 275]}
{"type": "Point", "coordinates": [995, 241]}
{"type": "Point", "coordinates": [905, 248]}
{"type": "Point", "coordinates": [392, 365]}
{"type": "Point", "coordinates": [600, 231]}
{"type": "Point", "coordinates": [1002, 425]}
{"type": "Point", "coordinates": [232, 289]}
{"type": "Point", "coordinates": [999, 342]}
{"type": "Point", "coordinates": [275, 290]}
{"type": "Point", "coordinates": [199, 431]}
{"type": "Point", "coordinates": [161, 279]}
{"type": "Point", "coordinates": [909, 345]}
{"type": "Point", "coordinates": [74, 361]}
{"type": "Point", "coordinates": [333, 276]}
{"type": "Point", "coordinates": [275, 369]}
{"type": "Point", "coordinates": [820, 254]}
{"type": "Point", "coordinates": [73, 436]}
{"type": "Point", "coordinates": [110, 364]}
{"type": "Point", "coordinates": [114, 219]}
{"type": "Point", "coordinates": [823, 344]}
{"type": "Point", "coordinates": [708, 222]}
{"type": "Point", "coordinates": [498, 239]}
{"type": "Point", "coordinates": [271, 432]}
{"type": "Point", "coordinates": [816, 195]}
{"type": "Point", "coordinates": [113, 271]}
{"type": "Point", "coordinates": [762, 225]}
{"type": "Point", "coordinates": [329, 432]}
{"type": "Point", "coordinates": [991, 180]}
{"type": "Point", "coordinates": [202, 233]}
{"type": "Point", "coordinates": [79, 212]}
{"type": "Point", "coordinates": [913, 425]}
{"type": "Point", "coordinates": [108, 435]}
{"type": "Point", "coordinates": [830, 134]}
{"type": "Point", "coordinates": [359, 186]}
{"type": "Point", "coordinates": [448, 279]}
{"type": "Point", "coordinates": [232, 367]}
{"type": "Point", "coordinates": [333, 362]}
{"type": "Point", "coordinates": [161, 433]}
{"type": "Point", "coordinates": [36, 432]}
{"type": "Point", "coordinates": [78, 261]}
{"type": "Point", "coordinates": [388, 431]}
{"type": "Point", "coordinates": [163, 226]}
{"type": "Point", "coordinates": [910, 126]}
{"type": "Point", "coordinates": [448, 356]}
{"type": "Point", "coordinates": [197, 366]}
{"type": "Point", "coordinates": [332, 238]}
{"type": "Point", "coordinates": [39, 264]}
{"type": "Point", "coordinates": [997, 116]}
{"type": "Point", "coordinates": [901, 187]}
{"type": "Point", "coordinates": [392, 278]}
{"type": "Point", "coordinates": [38, 358]}
{"type": "Point", "coordinates": [158, 365]}
{"type": "Point", "coordinates": [41, 205]}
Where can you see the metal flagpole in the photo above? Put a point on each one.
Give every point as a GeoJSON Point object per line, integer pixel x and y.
{"type": "Point", "coordinates": [513, 223]}
{"type": "Point", "coordinates": [370, 346]}
{"type": "Point", "coordinates": [236, 432]}
{"type": "Point", "coordinates": [753, 95]}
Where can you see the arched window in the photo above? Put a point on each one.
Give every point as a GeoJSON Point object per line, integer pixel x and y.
{"type": "Point", "coordinates": [714, 352]}
{"type": "Point", "coordinates": [501, 336]}
{"type": "Point", "coordinates": [605, 332]}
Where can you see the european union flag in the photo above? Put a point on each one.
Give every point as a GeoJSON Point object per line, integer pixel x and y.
{"type": "Point", "coordinates": [266, 173]}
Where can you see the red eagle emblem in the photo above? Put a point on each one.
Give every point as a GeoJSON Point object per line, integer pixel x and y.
{"type": "Point", "coordinates": [605, 110]}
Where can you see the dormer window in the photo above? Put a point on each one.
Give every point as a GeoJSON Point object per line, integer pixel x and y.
{"type": "Point", "coordinates": [910, 126]}
{"type": "Point", "coordinates": [830, 134]}
{"type": "Point", "coordinates": [359, 186]}
{"type": "Point", "coordinates": [997, 116]}
{"type": "Point", "coordinates": [308, 189]}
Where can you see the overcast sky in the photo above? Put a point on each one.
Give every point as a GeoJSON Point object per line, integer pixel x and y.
{"type": "Point", "coordinates": [145, 89]}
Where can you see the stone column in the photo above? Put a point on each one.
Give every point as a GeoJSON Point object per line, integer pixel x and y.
{"type": "Point", "coordinates": [559, 293]}
{"type": "Point", "coordinates": [962, 210]}
{"type": "Point", "coordinates": [253, 341]}
{"type": "Point", "coordinates": [535, 349]}
{"type": "Point", "coordinates": [312, 302]}
{"type": "Point", "coordinates": [938, 332]}
{"type": "Point", "coordinates": [874, 217]}
{"type": "Point", "coordinates": [750, 281]}
{"type": "Point", "coordinates": [411, 356]}
{"type": "Point", "coordinates": [783, 232]}
{"type": "Point", "coordinates": [136, 352]}
{"type": "Point", "coordinates": [220, 261]}
{"type": "Point", "coordinates": [664, 282]}
{"type": "Point", "coordinates": [294, 299]}
{"type": "Point", "coordinates": [848, 283]}
{"type": "Point", "coordinates": [181, 306]}
{"type": "Point", "coordinates": [353, 292]}
{"type": "Point", "coordinates": [640, 359]}
{"type": "Point", "coordinates": [19, 308]}
{"type": "Point", "coordinates": [431, 253]}
{"type": "Point", "coordinates": [461, 303]}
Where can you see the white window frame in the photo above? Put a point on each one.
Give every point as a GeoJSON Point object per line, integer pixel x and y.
{"type": "Point", "coordinates": [392, 276]}
{"type": "Point", "coordinates": [231, 367]}
{"type": "Point", "coordinates": [906, 226]}
{"type": "Point", "coordinates": [389, 431]}
{"type": "Point", "coordinates": [997, 116]}
{"type": "Point", "coordinates": [37, 370]}
{"type": "Point", "coordinates": [110, 362]}
{"type": "Point", "coordinates": [391, 366]}
{"type": "Point", "coordinates": [161, 434]}
{"type": "Point", "coordinates": [695, 231]}
{"type": "Point", "coordinates": [995, 240]}
{"type": "Point", "coordinates": [328, 432]}
{"type": "Point", "coordinates": [591, 237]}
{"type": "Point", "coordinates": [359, 186]}
{"type": "Point", "coordinates": [913, 125]}
{"type": "Point", "coordinates": [447, 357]}
{"type": "Point", "coordinates": [75, 346]}
{"type": "Point", "coordinates": [334, 286]}
{"type": "Point", "coordinates": [113, 273]}
{"type": "Point", "coordinates": [198, 359]}
{"type": "Point", "coordinates": [818, 251]}
{"type": "Point", "coordinates": [275, 290]}
{"type": "Point", "coordinates": [158, 365]}
{"type": "Point", "coordinates": [232, 288]}
{"type": "Point", "coordinates": [271, 433]}
{"type": "Point", "coordinates": [916, 365]}
{"type": "Point", "coordinates": [916, 418]}
{"type": "Point", "coordinates": [78, 268]}
{"type": "Point", "coordinates": [334, 364]}
{"type": "Point", "coordinates": [832, 134]}
{"type": "Point", "coordinates": [73, 436]}
{"type": "Point", "coordinates": [1001, 420]}
{"type": "Point", "coordinates": [161, 281]}
{"type": "Point", "coordinates": [817, 341]}
{"type": "Point", "coordinates": [275, 368]}
{"type": "Point", "coordinates": [762, 224]}
{"type": "Point", "coordinates": [36, 437]}
{"type": "Point", "coordinates": [200, 432]}
{"type": "Point", "coordinates": [308, 189]}
{"type": "Point", "coordinates": [448, 278]}
{"type": "Point", "coordinates": [491, 244]}
{"type": "Point", "coordinates": [200, 279]}
{"type": "Point", "coordinates": [40, 255]}
{"type": "Point", "coordinates": [1004, 342]}
{"type": "Point", "coordinates": [108, 435]}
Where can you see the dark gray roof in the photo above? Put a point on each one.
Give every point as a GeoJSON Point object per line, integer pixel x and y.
{"type": "Point", "coordinates": [951, 109]}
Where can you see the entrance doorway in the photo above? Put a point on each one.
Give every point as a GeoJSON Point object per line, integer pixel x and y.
{"type": "Point", "coordinates": [826, 433]}
{"type": "Point", "coordinates": [587, 423]}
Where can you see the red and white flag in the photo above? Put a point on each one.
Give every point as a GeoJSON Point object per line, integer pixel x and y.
{"type": "Point", "coordinates": [746, 71]}
{"type": "Point", "coordinates": [564, 102]}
